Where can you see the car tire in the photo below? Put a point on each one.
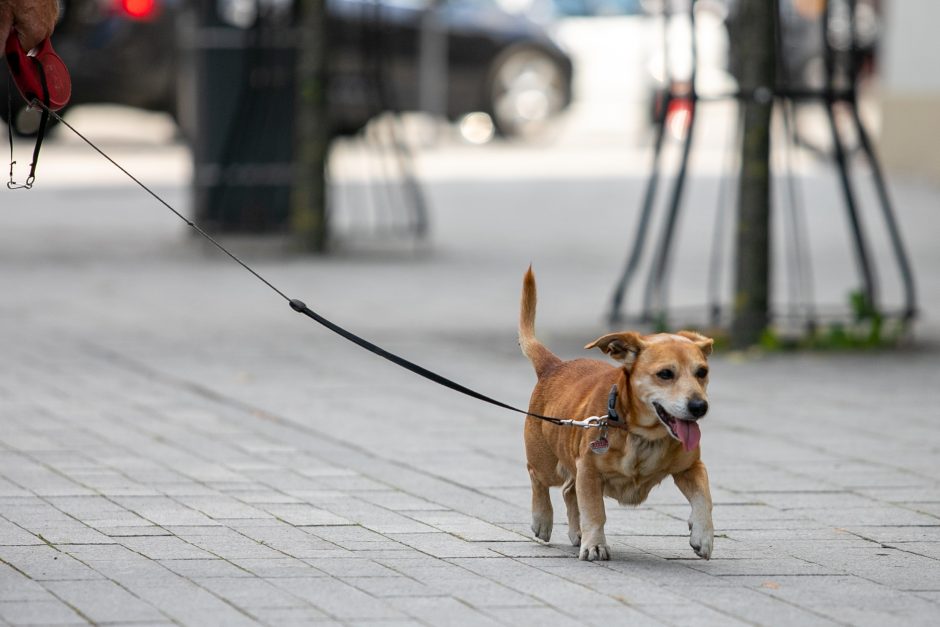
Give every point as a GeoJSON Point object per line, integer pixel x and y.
{"type": "Point", "coordinates": [527, 89]}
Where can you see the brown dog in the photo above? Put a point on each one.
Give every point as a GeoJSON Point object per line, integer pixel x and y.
{"type": "Point", "coordinates": [658, 393]}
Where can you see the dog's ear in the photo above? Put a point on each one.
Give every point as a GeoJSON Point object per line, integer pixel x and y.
{"type": "Point", "coordinates": [704, 343]}
{"type": "Point", "coordinates": [622, 347]}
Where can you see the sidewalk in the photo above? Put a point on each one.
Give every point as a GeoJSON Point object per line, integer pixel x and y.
{"type": "Point", "coordinates": [178, 447]}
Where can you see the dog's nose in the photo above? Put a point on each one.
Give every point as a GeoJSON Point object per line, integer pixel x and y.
{"type": "Point", "coordinates": [698, 407]}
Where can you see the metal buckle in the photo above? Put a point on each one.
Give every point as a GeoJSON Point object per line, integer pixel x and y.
{"type": "Point", "coordinates": [587, 423]}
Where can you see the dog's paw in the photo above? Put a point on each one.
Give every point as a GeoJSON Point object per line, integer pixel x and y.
{"type": "Point", "coordinates": [575, 537]}
{"type": "Point", "coordinates": [702, 539]}
{"type": "Point", "coordinates": [542, 527]}
{"type": "Point", "coordinates": [594, 552]}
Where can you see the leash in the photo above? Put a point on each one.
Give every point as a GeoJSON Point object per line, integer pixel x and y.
{"type": "Point", "coordinates": [40, 76]}
{"type": "Point", "coordinates": [602, 422]}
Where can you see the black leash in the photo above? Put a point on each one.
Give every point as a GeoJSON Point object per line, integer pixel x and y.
{"type": "Point", "coordinates": [300, 307]}
{"type": "Point", "coordinates": [43, 124]}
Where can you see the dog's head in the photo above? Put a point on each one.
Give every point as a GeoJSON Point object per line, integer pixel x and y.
{"type": "Point", "coordinates": [668, 375]}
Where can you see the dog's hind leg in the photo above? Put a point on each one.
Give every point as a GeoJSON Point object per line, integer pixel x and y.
{"type": "Point", "coordinates": [541, 507]}
{"type": "Point", "coordinates": [570, 494]}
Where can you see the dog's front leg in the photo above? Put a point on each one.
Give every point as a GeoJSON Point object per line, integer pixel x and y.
{"type": "Point", "coordinates": [693, 483]}
{"type": "Point", "coordinates": [589, 487]}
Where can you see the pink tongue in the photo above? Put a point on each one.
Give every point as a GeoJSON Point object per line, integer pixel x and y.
{"type": "Point", "coordinates": [689, 433]}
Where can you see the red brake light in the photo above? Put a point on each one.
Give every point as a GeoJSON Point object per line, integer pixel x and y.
{"type": "Point", "coordinates": [139, 9]}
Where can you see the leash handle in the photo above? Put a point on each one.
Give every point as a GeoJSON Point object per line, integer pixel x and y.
{"type": "Point", "coordinates": [41, 77]}
{"type": "Point", "coordinates": [39, 74]}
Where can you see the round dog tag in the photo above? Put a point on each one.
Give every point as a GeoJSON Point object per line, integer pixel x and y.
{"type": "Point", "coordinates": [600, 445]}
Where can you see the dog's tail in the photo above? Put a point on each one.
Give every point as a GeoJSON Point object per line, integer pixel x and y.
{"type": "Point", "coordinates": [542, 359]}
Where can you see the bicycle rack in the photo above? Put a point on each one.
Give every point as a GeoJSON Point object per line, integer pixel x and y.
{"type": "Point", "coordinates": [786, 95]}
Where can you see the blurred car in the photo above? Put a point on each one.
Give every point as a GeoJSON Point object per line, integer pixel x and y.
{"type": "Point", "coordinates": [125, 52]}
{"type": "Point", "coordinates": [597, 8]}
{"type": "Point", "coordinates": [499, 63]}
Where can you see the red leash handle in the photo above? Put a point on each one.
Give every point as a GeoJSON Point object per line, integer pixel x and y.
{"type": "Point", "coordinates": [30, 70]}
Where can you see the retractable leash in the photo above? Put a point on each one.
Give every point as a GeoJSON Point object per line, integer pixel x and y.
{"type": "Point", "coordinates": [41, 77]}
{"type": "Point", "coordinates": [56, 91]}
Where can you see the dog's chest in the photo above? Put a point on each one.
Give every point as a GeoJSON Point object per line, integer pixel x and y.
{"type": "Point", "coordinates": [642, 467]}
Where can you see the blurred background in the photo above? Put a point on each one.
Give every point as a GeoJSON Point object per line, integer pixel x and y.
{"type": "Point", "coordinates": [608, 132]}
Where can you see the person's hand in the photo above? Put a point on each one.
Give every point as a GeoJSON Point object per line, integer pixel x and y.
{"type": "Point", "coordinates": [32, 19]}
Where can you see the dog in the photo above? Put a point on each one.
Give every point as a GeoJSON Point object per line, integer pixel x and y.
{"type": "Point", "coordinates": [658, 394]}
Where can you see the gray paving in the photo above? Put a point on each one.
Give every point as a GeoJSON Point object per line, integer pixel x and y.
{"type": "Point", "coordinates": [177, 447]}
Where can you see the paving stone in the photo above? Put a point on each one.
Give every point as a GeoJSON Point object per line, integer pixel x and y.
{"type": "Point", "coordinates": [104, 602]}
{"type": "Point", "coordinates": [277, 568]}
{"type": "Point", "coordinates": [16, 586]}
{"type": "Point", "coordinates": [897, 534]}
{"type": "Point", "coordinates": [218, 507]}
{"type": "Point", "coordinates": [295, 616]}
{"type": "Point", "coordinates": [848, 599]}
{"type": "Point", "coordinates": [760, 566]}
{"type": "Point", "coordinates": [541, 616]}
{"type": "Point", "coordinates": [480, 592]}
{"type": "Point", "coordinates": [187, 603]}
{"type": "Point", "coordinates": [72, 534]}
{"type": "Point", "coordinates": [338, 599]}
{"type": "Point", "coordinates": [442, 545]}
{"type": "Point", "coordinates": [202, 569]}
{"type": "Point", "coordinates": [130, 532]}
{"type": "Point", "coordinates": [544, 586]}
{"type": "Point", "coordinates": [165, 548]}
{"type": "Point", "coordinates": [262, 497]}
{"type": "Point", "coordinates": [13, 535]}
{"type": "Point", "coordinates": [304, 515]}
{"type": "Point", "coordinates": [376, 518]}
{"type": "Point", "coordinates": [757, 607]}
{"type": "Point", "coordinates": [250, 592]}
{"type": "Point", "coordinates": [44, 563]}
{"type": "Point", "coordinates": [164, 511]}
{"type": "Point", "coordinates": [431, 609]}
{"type": "Point", "coordinates": [46, 612]}
{"type": "Point", "coordinates": [230, 545]}
{"type": "Point", "coordinates": [349, 536]}
{"type": "Point", "coordinates": [527, 549]}
{"type": "Point", "coordinates": [293, 541]}
{"type": "Point", "coordinates": [399, 501]}
{"type": "Point", "coordinates": [397, 586]}
{"type": "Point", "coordinates": [466, 527]}
{"type": "Point", "coordinates": [350, 567]}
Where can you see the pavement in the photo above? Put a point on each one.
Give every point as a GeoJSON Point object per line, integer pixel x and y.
{"type": "Point", "coordinates": [178, 447]}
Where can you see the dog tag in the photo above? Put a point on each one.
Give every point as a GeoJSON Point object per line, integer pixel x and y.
{"type": "Point", "coordinates": [600, 445]}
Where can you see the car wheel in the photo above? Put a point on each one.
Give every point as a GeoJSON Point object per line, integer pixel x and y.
{"type": "Point", "coordinates": [528, 88]}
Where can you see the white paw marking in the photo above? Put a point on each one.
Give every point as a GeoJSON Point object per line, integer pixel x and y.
{"type": "Point", "coordinates": [542, 527]}
{"type": "Point", "coordinates": [702, 537]}
{"type": "Point", "coordinates": [594, 552]}
{"type": "Point", "coordinates": [575, 537]}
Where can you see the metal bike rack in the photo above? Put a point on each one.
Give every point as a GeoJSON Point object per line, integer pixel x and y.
{"type": "Point", "coordinates": [786, 94]}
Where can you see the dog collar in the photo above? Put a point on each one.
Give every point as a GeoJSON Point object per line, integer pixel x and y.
{"type": "Point", "coordinates": [612, 405]}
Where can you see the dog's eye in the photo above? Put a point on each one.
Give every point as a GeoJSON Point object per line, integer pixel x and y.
{"type": "Point", "coordinates": [665, 374]}
{"type": "Point", "coordinates": [701, 373]}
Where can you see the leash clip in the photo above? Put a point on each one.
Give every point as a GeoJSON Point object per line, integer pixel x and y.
{"type": "Point", "coordinates": [587, 423]}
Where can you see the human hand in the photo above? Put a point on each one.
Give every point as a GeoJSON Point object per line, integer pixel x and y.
{"type": "Point", "coordinates": [32, 19]}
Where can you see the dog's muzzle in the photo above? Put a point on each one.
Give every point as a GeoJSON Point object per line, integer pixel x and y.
{"type": "Point", "coordinates": [686, 431]}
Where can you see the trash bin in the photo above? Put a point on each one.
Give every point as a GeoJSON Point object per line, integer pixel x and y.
{"type": "Point", "coordinates": [237, 109]}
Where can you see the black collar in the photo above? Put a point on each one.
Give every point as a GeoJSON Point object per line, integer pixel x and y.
{"type": "Point", "coordinates": [612, 405]}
